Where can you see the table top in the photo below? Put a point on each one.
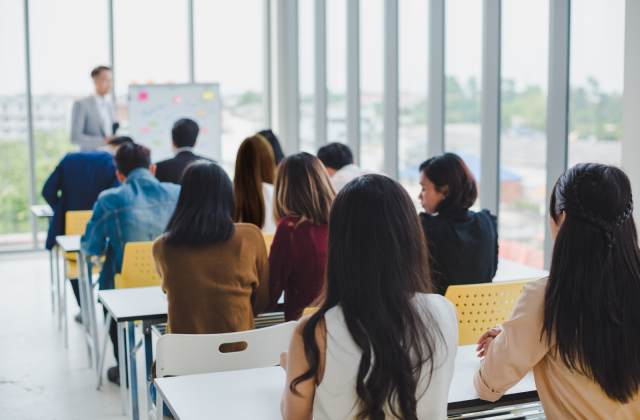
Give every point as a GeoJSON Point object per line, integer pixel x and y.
{"type": "Point", "coordinates": [224, 393]}
{"type": "Point", "coordinates": [42, 210]}
{"type": "Point", "coordinates": [135, 304]}
{"type": "Point", "coordinates": [69, 243]}
{"type": "Point", "coordinates": [509, 271]}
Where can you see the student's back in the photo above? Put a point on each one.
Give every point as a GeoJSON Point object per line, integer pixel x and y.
{"type": "Point", "coordinates": [79, 178]}
{"type": "Point", "coordinates": [336, 396]}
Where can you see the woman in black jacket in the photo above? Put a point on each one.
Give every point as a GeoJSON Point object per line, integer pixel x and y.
{"type": "Point", "coordinates": [463, 244]}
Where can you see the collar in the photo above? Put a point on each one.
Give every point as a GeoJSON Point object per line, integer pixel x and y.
{"type": "Point", "coordinates": [139, 173]}
{"type": "Point", "coordinates": [184, 149]}
{"type": "Point", "coordinates": [97, 97]}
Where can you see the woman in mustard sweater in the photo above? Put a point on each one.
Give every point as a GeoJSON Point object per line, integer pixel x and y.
{"type": "Point", "coordinates": [215, 272]}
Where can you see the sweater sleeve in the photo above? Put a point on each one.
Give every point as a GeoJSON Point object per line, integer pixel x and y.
{"type": "Point", "coordinates": [280, 263]}
{"type": "Point", "coordinates": [517, 349]}
{"type": "Point", "coordinates": [260, 294]}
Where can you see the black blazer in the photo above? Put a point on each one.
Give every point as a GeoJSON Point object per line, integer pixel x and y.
{"type": "Point", "coordinates": [463, 247]}
{"type": "Point", "coordinates": [171, 170]}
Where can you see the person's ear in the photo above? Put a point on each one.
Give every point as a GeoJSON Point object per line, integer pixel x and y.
{"type": "Point", "coordinates": [121, 177]}
{"type": "Point", "coordinates": [445, 191]}
{"type": "Point", "coordinates": [152, 169]}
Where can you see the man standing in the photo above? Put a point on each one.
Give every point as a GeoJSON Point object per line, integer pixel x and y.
{"type": "Point", "coordinates": [184, 135]}
{"type": "Point", "coordinates": [92, 118]}
{"type": "Point", "coordinates": [136, 211]}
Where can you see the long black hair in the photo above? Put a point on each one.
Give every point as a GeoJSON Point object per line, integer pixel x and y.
{"type": "Point", "coordinates": [376, 261]}
{"type": "Point", "coordinates": [593, 292]}
{"type": "Point", "coordinates": [205, 205]}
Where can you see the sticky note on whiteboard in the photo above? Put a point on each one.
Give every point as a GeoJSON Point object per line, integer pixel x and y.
{"type": "Point", "coordinates": [143, 95]}
{"type": "Point", "coordinates": [207, 95]}
{"type": "Point", "coordinates": [145, 130]}
{"type": "Point", "coordinates": [201, 113]}
{"type": "Point", "coordinates": [177, 100]}
{"type": "Point", "coordinates": [204, 130]}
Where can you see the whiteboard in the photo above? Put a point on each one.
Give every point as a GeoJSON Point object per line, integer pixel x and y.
{"type": "Point", "coordinates": [153, 109]}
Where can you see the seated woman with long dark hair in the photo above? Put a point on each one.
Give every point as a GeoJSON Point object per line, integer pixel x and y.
{"type": "Point", "coordinates": [215, 273]}
{"type": "Point", "coordinates": [303, 197]}
{"type": "Point", "coordinates": [463, 244]}
{"type": "Point", "coordinates": [578, 328]}
{"type": "Point", "coordinates": [253, 184]}
{"type": "Point", "coordinates": [381, 345]}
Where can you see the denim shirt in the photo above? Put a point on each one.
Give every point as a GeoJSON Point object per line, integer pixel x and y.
{"type": "Point", "coordinates": [137, 211]}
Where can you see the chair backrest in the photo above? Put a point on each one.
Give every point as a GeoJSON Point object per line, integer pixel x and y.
{"type": "Point", "coordinates": [268, 240]}
{"type": "Point", "coordinates": [481, 306]}
{"type": "Point", "coordinates": [75, 223]}
{"type": "Point", "coordinates": [310, 310]}
{"type": "Point", "coordinates": [137, 267]}
{"type": "Point", "coordinates": [190, 354]}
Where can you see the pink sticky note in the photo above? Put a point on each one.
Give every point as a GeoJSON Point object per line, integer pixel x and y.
{"type": "Point", "coordinates": [177, 100]}
{"type": "Point", "coordinates": [145, 130]}
{"type": "Point", "coordinates": [204, 130]}
{"type": "Point", "coordinates": [143, 95]}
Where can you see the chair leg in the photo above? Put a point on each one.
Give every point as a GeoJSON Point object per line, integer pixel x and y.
{"type": "Point", "coordinates": [104, 351]}
{"type": "Point", "coordinates": [53, 300]}
{"type": "Point", "coordinates": [64, 314]}
{"type": "Point", "coordinates": [58, 285]}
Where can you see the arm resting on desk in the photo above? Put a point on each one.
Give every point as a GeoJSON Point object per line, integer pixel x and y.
{"type": "Point", "coordinates": [517, 349]}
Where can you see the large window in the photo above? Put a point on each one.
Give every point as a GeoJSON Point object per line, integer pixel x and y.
{"type": "Point", "coordinates": [463, 80]}
{"type": "Point", "coordinates": [523, 143]}
{"type": "Point", "coordinates": [229, 51]}
{"type": "Point", "coordinates": [337, 71]}
{"type": "Point", "coordinates": [371, 85]}
{"type": "Point", "coordinates": [596, 78]}
{"type": "Point", "coordinates": [15, 226]}
{"type": "Point", "coordinates": [306, 49]}
{"type": "Point", "coordinates": [412, 130]}
{"type": "Point", "coordinates": [151, 46]}
{"type": "Point", "coordinates": [61, 67]}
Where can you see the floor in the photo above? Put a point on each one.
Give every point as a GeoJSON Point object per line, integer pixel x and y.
{"type": "Point", "coordinates": [38, 377]}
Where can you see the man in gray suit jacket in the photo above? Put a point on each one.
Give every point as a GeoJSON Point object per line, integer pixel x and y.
{"type": "Point", "coordinates": [93, 117]}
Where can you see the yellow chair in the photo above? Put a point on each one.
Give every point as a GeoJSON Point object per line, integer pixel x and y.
{"type": "Point", "coordinates": [481, 306]}
{"type": "Point", "coordinates": [268, 240]}
{"type": "Point", "coordinates": [137, 267]}
{"type": "Point", "coordinates": [310, 310]}
{"type": "Point", "coordinates": [76, 224]}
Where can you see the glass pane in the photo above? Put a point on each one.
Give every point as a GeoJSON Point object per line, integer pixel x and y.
{"type": "Point", "coordinates": [228, 50]}
{"type": "Point", "coordinates": [371, 85]}
{"type": "Point", "coordinates": [151, 46]}
{"type": "Point", "coordinates": [463, 80]}
{"type": "Point", "coordinates": [337, 71]}
{"type": "Point", "coordinates": [523, 143]}
{"type": "Point", "coordinates": [15, 227]}
{"type": "Point", "coordinates": [306, 57]}
{"type": "Point", "coordinates": [596, 79]}
{"type": "Point", "coordinates": [413, 56]}
{"type": "Point", "coordinates": [60, 74]}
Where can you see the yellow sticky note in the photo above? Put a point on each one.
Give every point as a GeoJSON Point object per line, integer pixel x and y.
{"type": "Point", "coordinates": [201, 113]}
{"type": "Point", "coordinates": [207, 95]}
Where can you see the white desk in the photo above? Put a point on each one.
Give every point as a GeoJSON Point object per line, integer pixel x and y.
{"type": "Point", "coordinates": [40, 212]}
{"type": "Point", "coordinates": [224, 394]}
{"type": "Point", "coordinates": [510, 271]}
{"type": "Point", "coordinates": [125, 306]}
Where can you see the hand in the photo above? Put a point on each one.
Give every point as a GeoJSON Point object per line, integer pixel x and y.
{"type": "Point", "coordinates": [108, 139]}
{"type": "Point", "coordinates": [486, 339]}
{"type": "Point", "coordinates": [283, 360]}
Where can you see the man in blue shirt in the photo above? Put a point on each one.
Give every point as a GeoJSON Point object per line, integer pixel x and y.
{"type": "Point", "coordinates": [75, 185]}
{"type": "Point", "coordinates": [137, 211]}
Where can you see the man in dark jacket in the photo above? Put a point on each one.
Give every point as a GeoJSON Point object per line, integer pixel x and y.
{"type": "Point", "coordinates": [75, 185]}
{"type": "Point", "coordinates": [184, 135]}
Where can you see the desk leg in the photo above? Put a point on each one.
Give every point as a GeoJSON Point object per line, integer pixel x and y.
{"type": "Point", "coordinates": [84, 312]}
{"type": "Point", "coordinates": [103, 353]}
{"type": "Point", "coordinates": [148, 352]}
{"type": "Point", "coordinates": [121, 366]}
{"type": "Point", "coordinates": [64, 315]}
{"type": "Point", "coordinates": [52, 281]}
{"type": "Point", "coordinates": [58, 284]}
{"type": "Point", "coordinates": [132, 371]}
{"type": "Point", "coordinates": [91, 310]}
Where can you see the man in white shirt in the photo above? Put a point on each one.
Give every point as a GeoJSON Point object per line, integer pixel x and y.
{"type": "Point", "coordinates": [338, 160]}
{"type": "Point", "coordinates": [93, 118]}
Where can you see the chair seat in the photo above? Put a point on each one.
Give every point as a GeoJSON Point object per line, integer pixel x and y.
{"type": "Point", "coordinates": [72, 269]}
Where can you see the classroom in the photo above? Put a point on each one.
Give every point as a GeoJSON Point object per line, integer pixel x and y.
{"type": "Point", "coordinates": [319, 209]}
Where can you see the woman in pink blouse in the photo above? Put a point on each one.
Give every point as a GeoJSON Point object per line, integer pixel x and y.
{"type": "Point", "coordinates": [578, 329]}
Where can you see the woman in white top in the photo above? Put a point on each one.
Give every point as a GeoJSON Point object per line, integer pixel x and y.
{"type": "Point", "coordinates": [380, 346]}
{"type": "Point", "coordinates": [253, 184]}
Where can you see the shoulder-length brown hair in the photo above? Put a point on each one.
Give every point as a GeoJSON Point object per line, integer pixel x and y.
{"type": "Point", "coordinates": [303, 189]}
{"type": "Point", "coordinates": [254, 165]}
